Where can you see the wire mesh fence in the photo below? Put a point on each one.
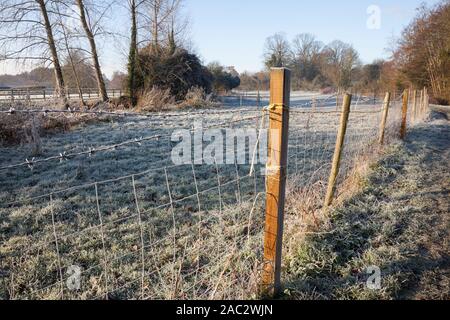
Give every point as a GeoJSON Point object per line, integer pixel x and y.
{"type": "Point", "coordinates": [73, 227]}
{"type": "Point", "coordinates": [168, 232]}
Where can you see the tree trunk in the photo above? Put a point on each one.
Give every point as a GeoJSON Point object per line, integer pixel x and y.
{"type": "Point", "coordinates": [77, 79]}
{"type": "Point", "coordinates": [90, 36]}
{"type": "Point", "coordinates": [60, 87]}
{"type": "Point", "coordinates": [132, 58]}
{"type": "Point", "coordinates": [72, 63]}
{"type": "Point", "coordinates": [156, 26]}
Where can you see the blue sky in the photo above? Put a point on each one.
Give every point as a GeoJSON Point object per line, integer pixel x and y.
{"type": "Point", "coordinates": [233, 32]}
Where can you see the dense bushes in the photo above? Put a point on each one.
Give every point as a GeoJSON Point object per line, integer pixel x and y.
{"type": "Point", "coordinates": [175, 77]}
{"type": "Point", "coordinates": [224, 79]}
{"type": "Point", "coordinates": [178, 72]}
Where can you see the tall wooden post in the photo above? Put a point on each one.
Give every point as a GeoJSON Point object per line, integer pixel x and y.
{"type": "Point", "coordinates": [414, 107]}
{"type": "Point", "coordinates": [387, 101]}
{"type": "Point", "coordinates": [280, 84]}
{"type": "Point", "coordinates": [424, 100]}
{"type": "Point", "coordinates": [422, 95]}
{"type": "Point", "coordinates": [404, 114]}
{"type": "Point", "coordinates": [258, 99]}
{"type": "Point", "coordinates": [338, 150]}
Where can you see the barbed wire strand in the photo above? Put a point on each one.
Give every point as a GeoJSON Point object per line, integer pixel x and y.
{"type": "Point", "coordinates": [63, 156]}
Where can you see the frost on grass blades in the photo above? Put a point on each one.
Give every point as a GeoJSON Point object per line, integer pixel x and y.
{"type": "Point", "coordinates": [225, 146]}
{"type": "Point", "coordinates": [132, 223]}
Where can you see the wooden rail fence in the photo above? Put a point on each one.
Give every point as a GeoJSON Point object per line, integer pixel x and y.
{"type": "Point", "coordinates": [43, 94]}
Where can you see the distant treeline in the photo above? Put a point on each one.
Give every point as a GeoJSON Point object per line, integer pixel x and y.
{"type": "Point", "coordinates": [420, 58]}
{"type": "Point", "coordinates": [45, 77]}
{"type": "Point", "coordinates": [161, 59]}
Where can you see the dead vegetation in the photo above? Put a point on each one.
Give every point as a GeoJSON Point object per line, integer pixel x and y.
{"type": "Point", "coordinates": [197, 98]}
{"type": "Point", "coordinates": [28, 129]}
{"type": "Point", "coordinates": [156, 100]}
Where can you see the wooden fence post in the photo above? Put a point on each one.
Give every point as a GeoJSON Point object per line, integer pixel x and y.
{"type": "Point", "coordinates": [404, 114]}
{"type": "Point", "coordinates": [338, 150]}
{"type": "Point", "coordinates": [387, 101]}
{"type": "Point", "coordinates": [422, 95]}
{"type": "Point", "coordinates": [424, 98]}
{"type": "Point", "coordinates": [417, 98]}
{"type": "Point", "coordinates": [276, 168]}
{"type": "Point", "coordinates": [414, 108]}
{"type": "Point", "coordinates": [258, 99]}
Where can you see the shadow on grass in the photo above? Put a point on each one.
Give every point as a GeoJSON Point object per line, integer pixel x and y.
{"type": "Point", "coordinates": [367, 228]}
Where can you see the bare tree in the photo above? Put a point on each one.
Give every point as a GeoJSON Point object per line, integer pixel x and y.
{"type": "Point", "coordinates": [163, 21]}
{"type": "Point", "coordinates": [156, 25]}
{"type": "Point", "coordinates": [277, 51]}
{"type": "Point", "coordinates": [133, 55]}
{"type": "Point", "coordinates": [71, 59]}
{"type": "Point", "coordinates": [340, 60]}
{"type": "Point", "coordinates": [306, 57]}
{"type": "Point", "coordinates": [88, 29]}
{"type": "Point", "coordinates": [29, 36]}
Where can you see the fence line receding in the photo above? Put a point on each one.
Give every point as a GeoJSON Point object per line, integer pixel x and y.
{"type": "Point", "coordinates": [124, 222]}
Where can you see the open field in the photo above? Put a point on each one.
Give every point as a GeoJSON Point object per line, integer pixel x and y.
{"type": "Point", "coordinates": [133, 225]}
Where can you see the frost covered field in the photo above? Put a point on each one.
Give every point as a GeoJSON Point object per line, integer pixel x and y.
{"type": "Point", "coordinates": [129, 224]}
